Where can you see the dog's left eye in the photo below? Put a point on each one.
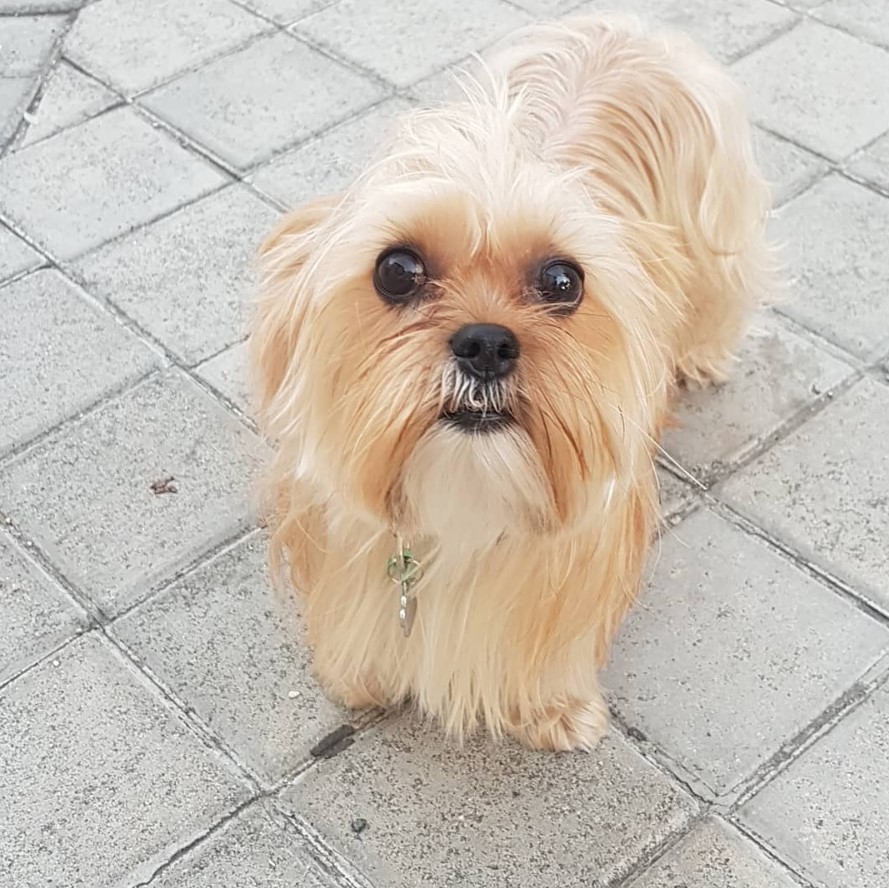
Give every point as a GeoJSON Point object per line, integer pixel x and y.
{"type": "Point", "coordinates": [399, 275]}
{"type": "Point", "coordinates": [560, 282]}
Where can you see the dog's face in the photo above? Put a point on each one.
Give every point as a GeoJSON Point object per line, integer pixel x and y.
{"type": "Point", "coordinates": [459, 344]}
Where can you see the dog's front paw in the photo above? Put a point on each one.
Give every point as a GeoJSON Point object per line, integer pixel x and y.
{"type": "Point", "coordinates": [577, 724]}
{"type": "Point", "coordinates": [361, 694]}
{"type": "Point", "coordinates": [357, 698]}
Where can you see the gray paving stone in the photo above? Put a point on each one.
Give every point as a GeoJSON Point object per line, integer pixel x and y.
{"type": "Point", "coordinates": [26, 42]}
{"type": "Point", "coordinates": [101, 780]}
{"type": "Point", "coordinates": [257, 848]}
{"type": "Point", "coordinates": [287, 11]}
{"type": "Point", "coordinates": [195, 300]}
{"type": "Point", "coordinates": [820, 88]}
{"type": "Point", "coordinates": [98, 180]}
{"type": "Point", "coordinates": [134, 45]}
{"type": "Point", "coordinates": [59, 353]}
{"type": "Point", "coordinates": [839, 272]}
{"type": "Point", "coordinates": [487, 815]}
{"type": "Point", "coordinates": [439, 88]}
{"type": "Point", "coordinates": [705, 667]}
{"type": "Point", "coordinates": [232, 649]}
{"type": "Point", "coordinates": [253, 103]}
{"type": "Point", "coordinates": [872, 164]}
{"type": "Point", "coordinates": [14, 7]}
{"type": "Point", "coordinates": [825, 490]}
{"type": "Point", "coordinates": [726, 28]}
{"type": "Point", "coordinates": [329, 163]}
{"type": "Point", "coordinates": [84, 495]}
{"type": "Point", "coordinates": [388, 44]}
{"type": "Point", "coordinates": [778, 374]}
{"type": "Point", "coordinates": [863, 18]}
{"type": "Point", "coordinates": [674, 494]}
{"type": "Point", "coordinates": [15, 93]}
{"type": "Point", "coordinates": [15, 255]}
{"type": "Point", "coordinates": [827, 813]}
{"type": "Point", "coordinates": [227, 373]}
{"type": "Point", "coordinates": [787, 168]}
{"type": "Point", "coordinates": [35, 615]}
{"type": "Point", "coordinates": [548, 8]}
{"type": "Point", "coordinates": [715, 855]}
{"type": "Point", "coordinates": [69, 98]}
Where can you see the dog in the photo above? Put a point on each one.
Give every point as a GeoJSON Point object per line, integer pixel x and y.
{"type": "Point", "coordinates": [464, 362]}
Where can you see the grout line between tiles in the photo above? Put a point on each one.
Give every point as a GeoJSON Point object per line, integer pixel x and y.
{"type": "Point", "coordinates": [808, 14]}
{"type": "Point", "coordinates": [571, 10]}
{"type": "Point", "coordinates": [324, 853]}
{"type": "Point", "coordinates": [198, 365]}
{"type": "Point", "coordinates": [26, 447]}
{"type": "Point", "coordinates": [661, 761]}
{"type": "Point", "coordinates": [842, 29]}
{"type": "Point", "coordinates": [61, 264]}
{"type": "Point", "coordinates": [647, 861]}
{"type": "Point", "coordinates": [870, 680]}
{"type": "Point", "coordinates": [45, 72]}
{"type": "Point", "coordinates": [320, 852]}
{"type": "Point", "coordinates": [49, 11]}
{"type": "Point", "coordinates": [330, 55]}
{"type": "Point", "coordinates": [132, 97]}
{"type": "Point", "coordinates": [205, 558]}
{"type": "Point", "coordinates": [780, 31]}
{"type": "Point", "coordinates": [198, 149]}
{"type": "Point", "coordinates": [788, 553]}
{"type": "Point", "coordinates": [817, 339]}
{"type": "Point", "coordinates": [249, 7]}
{"type": "Point", "coordinates": [49, 258]}
{"type": "Point", "coordinates": [766, 850]}
{"type": "Point", "coordinates": [718, 471]}
{"type": "Point", "coordinates": [871, 186]}
{"type": "Point", "coordinates": [95, 614]}
{"type": "Point", "coordinates": [835, 167]}
{"type": "Point", "coordinates": [183, 850]}
{"type": "Point", "coordinates": [173, 700]}
{"type": "Point", "coordinates": [26, 272]}
{"type": "Point", "coordinates": [54, 652]}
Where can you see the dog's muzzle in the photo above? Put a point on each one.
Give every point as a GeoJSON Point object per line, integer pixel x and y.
{"type": "Point", "coordinates": [477, 392]}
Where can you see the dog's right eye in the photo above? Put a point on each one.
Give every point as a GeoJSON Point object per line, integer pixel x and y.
{"type": "Point", "coordinates": [560, 284]}
{"type": "Point", "coordinates": [399, 276]}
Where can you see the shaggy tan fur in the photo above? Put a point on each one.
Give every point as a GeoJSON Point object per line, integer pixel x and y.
{"type": "Point", "coordinates": [592, 139]}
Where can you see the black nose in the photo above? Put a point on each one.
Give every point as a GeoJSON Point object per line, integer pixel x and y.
{"type": "Point", "coordinates": [487, 351]}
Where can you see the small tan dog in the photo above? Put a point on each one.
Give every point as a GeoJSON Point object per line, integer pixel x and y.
{"type": "Point", "coordinates": [466, 359]}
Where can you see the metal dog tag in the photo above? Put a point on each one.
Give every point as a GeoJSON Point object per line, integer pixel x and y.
{"type": "Point", "coordinates": [404, 571]}
{"type": "Point", "coordinates": [407, 612]}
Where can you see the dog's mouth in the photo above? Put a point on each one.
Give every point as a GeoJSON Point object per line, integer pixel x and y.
{"type": "Point", "coordinates": [473, 406]}
{"type": "Point", "coordinates": [470, 420]}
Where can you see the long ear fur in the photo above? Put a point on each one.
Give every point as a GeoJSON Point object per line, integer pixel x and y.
{"type": "Point", "coordinates": [279, 310]}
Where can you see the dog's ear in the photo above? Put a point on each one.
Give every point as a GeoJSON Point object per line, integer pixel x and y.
{"type": "Point", "coordinates": [297, 223]}
{"type": "Point", "coordinates": [281, 306]}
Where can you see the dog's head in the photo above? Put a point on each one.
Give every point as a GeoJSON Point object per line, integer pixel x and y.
{"type": "Point", "coordinates": [463, 342]}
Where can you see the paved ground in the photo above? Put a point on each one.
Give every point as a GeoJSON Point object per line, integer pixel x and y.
{"type": "Point", "coordinates": [157, 715]}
